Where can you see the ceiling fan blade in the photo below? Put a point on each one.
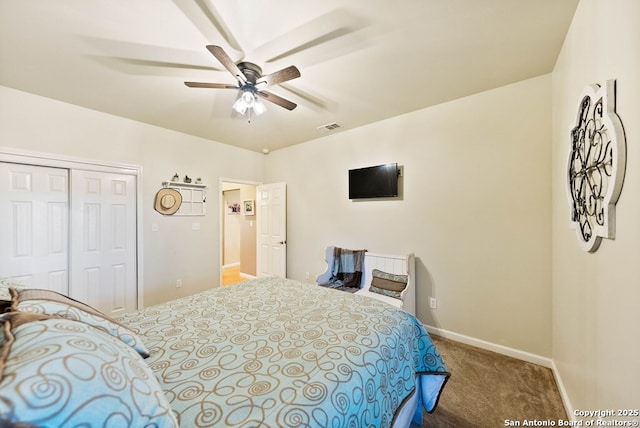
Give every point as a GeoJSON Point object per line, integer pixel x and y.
{"type": "Point", "coordinates": [319, 31]}
{"type": "Point", "coordinates": [268, 96]}
{"type": "Point", "coordinates": [311, 43]}
{"type": "Point", "coordinates": [165, 64]}
{"type": "Point", "coordinates": [210, 85]}
{"type": "Point", "coordinates": [206, 18]}
{"type": "Point", "coordinates": [140, 58]}
{"type": "Point", "coordinates": [312, 101]}
{"type": "Point", "coordinates": [225, 60]}
{"type": "Point", "coordinates": [281, 76]}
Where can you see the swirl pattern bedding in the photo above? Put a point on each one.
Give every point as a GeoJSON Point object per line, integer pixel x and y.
{"type": "Point", "coordinates": [274, 352]}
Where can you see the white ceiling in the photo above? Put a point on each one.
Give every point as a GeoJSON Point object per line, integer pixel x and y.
{"type": "Point", "coordinates": [361, 61]}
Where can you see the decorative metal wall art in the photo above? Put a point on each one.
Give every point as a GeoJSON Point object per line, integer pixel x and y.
{"type": "Point", "coordinates": [596, 165]}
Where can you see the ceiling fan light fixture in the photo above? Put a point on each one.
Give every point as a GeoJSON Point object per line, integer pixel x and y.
{"type": "Point", "coordinates": [240, 106]}
{"type": "Point", "coordinates": [259, 107]}
{"type": "Point", "coordinates": [248, 100]}
{"type": "Point", "coordinates": [248, 97]}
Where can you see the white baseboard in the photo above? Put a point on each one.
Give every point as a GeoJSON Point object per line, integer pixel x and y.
{"type": "Point", "coordinates": [514, 353]}
{"type": "Point", "coordinates": [563, 392]}
{"type": "Point", "coordinates": [242, 274]}
{"type": "Point", "coordinates": [230, 265]}
{"type": "Point", "coordinates": [500, 349]}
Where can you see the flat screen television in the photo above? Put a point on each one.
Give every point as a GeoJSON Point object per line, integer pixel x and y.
{"type": "Point", "coordinates": [380, 181]}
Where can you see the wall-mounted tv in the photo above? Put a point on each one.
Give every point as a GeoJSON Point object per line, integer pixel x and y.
{"type": "Point", "coordinates": [380, 181]}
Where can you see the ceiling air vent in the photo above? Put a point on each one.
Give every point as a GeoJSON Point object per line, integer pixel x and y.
{"type": "Point", "coordinates": [329, 127]}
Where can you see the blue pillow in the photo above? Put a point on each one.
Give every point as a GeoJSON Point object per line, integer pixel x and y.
{"type": "Point", "coordinates": [49, 302]}
{"type": "Point", "coordinates": [58, 372]}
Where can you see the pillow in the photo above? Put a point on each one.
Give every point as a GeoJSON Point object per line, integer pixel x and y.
{"type": "Point", "coordinates": [57, 372]}
{"type": "Point", "coordinates": [388, 284]}
{"type": "Point", "coordinates": [49, 302]}
{"type": "Point", "coordinates": [5, 284]}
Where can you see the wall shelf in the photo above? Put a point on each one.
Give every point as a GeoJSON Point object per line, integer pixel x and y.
{"type": "Point", "coordinates": [194, 197]}
{"type": "Point", "coordinates": [176, 184]}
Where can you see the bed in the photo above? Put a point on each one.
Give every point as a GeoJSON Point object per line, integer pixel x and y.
{"type": "Point", "coordinates": [269, 352]}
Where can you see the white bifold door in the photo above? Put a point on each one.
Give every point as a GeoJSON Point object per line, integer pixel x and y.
{"type": "Point", "coordinates": [34, 221]}
{"type": "Point", "coordinates": [71, 231]}
{"type": "Point", "coordinates": [103, 240]}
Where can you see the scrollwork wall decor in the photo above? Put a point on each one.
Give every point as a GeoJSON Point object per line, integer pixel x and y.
{"type": "Point", "coordinates": [596, 166]}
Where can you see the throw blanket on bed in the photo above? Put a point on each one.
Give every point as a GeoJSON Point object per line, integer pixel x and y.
{"type": "Point", "coordinates": [347, 268]}
{"type": "Point", "coordinates": [273, 352]}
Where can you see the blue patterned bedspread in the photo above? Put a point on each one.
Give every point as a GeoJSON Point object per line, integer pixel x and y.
{"type": "Point", "coordinates": [274, 352]}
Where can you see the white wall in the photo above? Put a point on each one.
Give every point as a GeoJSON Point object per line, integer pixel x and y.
{"type": "Point", "coordinates": [33, 123]}
{"type": "Point", "coordinates": [596, 297]}
{"type": "Point", "coordinates": [474, 209]}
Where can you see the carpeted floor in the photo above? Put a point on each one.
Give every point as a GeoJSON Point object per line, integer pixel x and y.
{"type": "Point", "coordinates": [487, 389]}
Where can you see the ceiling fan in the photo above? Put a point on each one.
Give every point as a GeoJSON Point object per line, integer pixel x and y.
{"type": "Point", "coordinates": [251, 83]}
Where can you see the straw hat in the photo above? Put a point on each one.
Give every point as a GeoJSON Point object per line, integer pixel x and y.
{"type": "Point", "coordinates": [168, 201]}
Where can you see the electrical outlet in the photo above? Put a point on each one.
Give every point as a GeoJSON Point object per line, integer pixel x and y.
{"type": "Point", "coordinates": [433, 303]}
{"type": "Point", "coordinates": [306, 275]}
{"type": "Point", "coordinates": [178, 283]}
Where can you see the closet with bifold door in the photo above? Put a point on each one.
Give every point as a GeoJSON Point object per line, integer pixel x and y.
{"type": "Point", "coordinates": [72, 231]}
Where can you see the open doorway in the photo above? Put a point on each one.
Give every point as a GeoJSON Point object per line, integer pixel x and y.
{"type": "Point", "coordinates": [238, 225]}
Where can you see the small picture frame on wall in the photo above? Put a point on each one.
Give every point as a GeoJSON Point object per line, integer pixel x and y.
{"type": "Point", "coordinates": [248, 207]}
{"type": "Point", "coordinates": [233, 209]}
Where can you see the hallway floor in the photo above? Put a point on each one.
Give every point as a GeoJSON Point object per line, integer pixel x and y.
{"type": "Point", "coordinates": [231, 275]}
